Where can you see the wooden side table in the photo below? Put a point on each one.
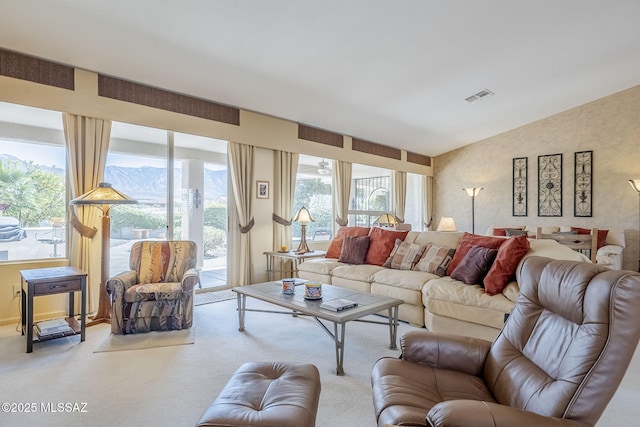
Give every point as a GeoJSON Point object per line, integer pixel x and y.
{"type": "Point", "coordinates": [49, 281]}
{"type": "Point", "coordinates": [289, 255]}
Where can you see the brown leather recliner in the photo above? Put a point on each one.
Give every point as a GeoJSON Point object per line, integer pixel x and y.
{"type": "Point", "coordinates": [558, 360]}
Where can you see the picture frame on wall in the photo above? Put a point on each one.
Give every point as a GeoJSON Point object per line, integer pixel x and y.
{"type": "Point", "coordinates": [550, 185]}
{"type": "Point", "coordinates": [520, 186]}
{"type": "Point", "coordinates": [262, 189]}
{"type": "Point", "coordinates": [583, 184]}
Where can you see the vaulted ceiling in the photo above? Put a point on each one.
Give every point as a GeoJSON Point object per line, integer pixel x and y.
{"type": "Point", "coordinates": [393, 72]}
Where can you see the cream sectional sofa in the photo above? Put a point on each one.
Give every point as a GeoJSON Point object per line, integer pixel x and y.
{"type": "Point", "coordinates": [442, 304]}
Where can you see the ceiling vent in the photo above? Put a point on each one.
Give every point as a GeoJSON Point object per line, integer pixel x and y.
{"type": "Point", "coordinates": [477, 96]}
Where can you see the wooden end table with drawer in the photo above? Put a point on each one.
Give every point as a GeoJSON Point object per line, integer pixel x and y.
{"type": "Point", "coordinates": [48, 281]}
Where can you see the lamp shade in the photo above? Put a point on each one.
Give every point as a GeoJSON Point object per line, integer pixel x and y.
{"type": "Point", "coordinates": [446, 224]}
{"type": "Point", "coordinates": [103, 194]}
{"type": "Point", "coordinates": [386, 219]}
{"type": "Point", "coordinates": [635, 183]}
{"type": "Point", "coordinates": [303, 215]}
{"type": "Point", "coordinates": [472, 191]}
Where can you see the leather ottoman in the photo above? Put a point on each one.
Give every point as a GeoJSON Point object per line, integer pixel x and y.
{"type": "Point", "coordinates": [267, 394]}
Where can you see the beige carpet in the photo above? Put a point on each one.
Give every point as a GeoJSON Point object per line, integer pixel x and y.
{"type": "Point", "coordinates": [172, 386]}
{"type": "Point", "coordinates": [148, 340]}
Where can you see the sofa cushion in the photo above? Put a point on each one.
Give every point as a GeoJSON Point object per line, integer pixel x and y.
{"type": "Point", "coordinates": [404, 255]}
{"type": "Point", "coordinates": [360, 273]}
{"type": "Point", "coordinates": [470, 303]}
{"type": "Point", "coordinates": [474, 265]}
{"type": "Point", "coordinates": [467, 241]}
{"type": "Point", "coordinates": [448, 239]}
{"type": "Point", "coordinates": [335, 247]}
{"type": "Point", "coordinates": [320, 265]}
{"type": "Point", "coordinates": [354, 249]}
{"type": "Point", "coordinates": [504, 267]}
{"type": "Point", "coordinates": [435, 259]}
{"type": "Point", "coordinates": [414, 280]}
{"type": "Point", "coordinates": [381, 244]}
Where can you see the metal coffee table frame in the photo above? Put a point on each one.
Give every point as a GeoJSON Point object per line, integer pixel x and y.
{"type": "Point", "coordinates": [271, 292]}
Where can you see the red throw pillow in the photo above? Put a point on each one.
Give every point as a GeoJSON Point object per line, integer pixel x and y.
{"type": "Point", "coordinates": [381, 243]}
{"type": "Point", "coordinates": [602, 235]}
{"type": "Point", "coordinates": [504, 266]}
{"type": "Point", "coordinates": [467, 241]}
{"type": "Point", "coordinates": [335, 247]}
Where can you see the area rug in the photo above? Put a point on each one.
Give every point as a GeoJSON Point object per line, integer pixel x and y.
{"type": "Point", "coordinates": [147, 340]}
{"type": "Point", "coordinates": [214, 296]}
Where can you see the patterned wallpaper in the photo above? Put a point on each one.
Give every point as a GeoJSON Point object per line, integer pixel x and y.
{"type": "Point", "coordinates": [609, 127]}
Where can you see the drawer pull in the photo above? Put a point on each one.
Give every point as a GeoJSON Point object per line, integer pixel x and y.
{"type": "Point", "coordinates": [64, 285]}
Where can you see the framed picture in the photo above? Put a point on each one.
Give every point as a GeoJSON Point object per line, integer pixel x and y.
{"type": "Point", "coordinates": [583, 185]}
{"type": "Point", "coordinates": [550, 185]}
{"type": "Point", "coordinates": [262, 189]}
{"type": "Point", "coordinates": [520, 184]}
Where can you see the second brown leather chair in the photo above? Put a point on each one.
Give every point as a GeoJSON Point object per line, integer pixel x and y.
{"type": "Point", "coordinates": [558, 360]}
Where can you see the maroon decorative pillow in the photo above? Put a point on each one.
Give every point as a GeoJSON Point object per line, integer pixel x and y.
{"type": "Point", "coordinates": [467, 241]}
{"type": "Point", "coordinates": [381, 244]}
{"type": "Point", "coordinates": [474, 265]}
{"type": "Point", "coordinates": [354, 249]}
{"type": "Point", "coordinates": [335, 247]}
{"type": "Point", "coordinates": [504, 267]}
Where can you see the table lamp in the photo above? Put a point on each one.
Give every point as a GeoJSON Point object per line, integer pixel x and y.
{"type": "Point", "coordinates": [303, 216]}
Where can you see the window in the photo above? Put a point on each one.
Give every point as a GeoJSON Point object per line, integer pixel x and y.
{"type": "Point", "coordinates": [313, 190]}
{"type": "Point", "coordinates": [139, 165]}
{"type": "Point", "coordinates": [32, 184]}
{"type": "Point", "coordinates": [370, 194]}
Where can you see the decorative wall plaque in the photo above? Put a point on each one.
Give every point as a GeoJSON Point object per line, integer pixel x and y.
{"type": "Point", "coordinates": [583, 187]}
{"type": "Point", "coordinates": [550, 185]}
{"type": "Point", "coordinates": [520, 181]}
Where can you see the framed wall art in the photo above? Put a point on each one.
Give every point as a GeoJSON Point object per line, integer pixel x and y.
{"type": "Point", "coordinates": [520, 184]}
{"type": "Point", "coordinates": [583, 186]}
{"type": "Point", "coordinates": [550, 185]}
{"type": "Point", "coordinates": [262, 189]}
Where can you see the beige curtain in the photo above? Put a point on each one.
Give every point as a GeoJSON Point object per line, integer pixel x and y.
{"type": "Point", "coordinates": [428, 202]}
{"type": "Point", "coordinates": [399, 194]}
{"type": "Point", "coordinates": [87, 142]}
{"type": "Point", "coordinates": [341, 191]}
{"type": "Point", "coordinates": [286, 169]}
{"type": "Point", "coordinates": [241, 172]}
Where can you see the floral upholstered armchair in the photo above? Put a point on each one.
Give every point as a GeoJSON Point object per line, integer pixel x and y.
{"type": "Point", "coordinates": [157, 293]}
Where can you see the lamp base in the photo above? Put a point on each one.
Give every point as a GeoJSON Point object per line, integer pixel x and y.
{"type": "Point", "coordinates": [97, 321]}
{"type": "Point", "coordinates": [303, 248]}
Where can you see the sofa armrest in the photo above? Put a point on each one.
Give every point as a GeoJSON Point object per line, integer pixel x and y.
{"type": "Point", "coordinates": [479, 414]}
{"type": "Point", "coordinates": [190, 279]}
{"type": "Point", "coordinates": [121, 282]}
{"type": "Point", "coordinates": [456, 353]}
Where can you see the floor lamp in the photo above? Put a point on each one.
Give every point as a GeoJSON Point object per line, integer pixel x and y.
{"type": "Point", "coordinates": [635, 183]}
{"type": "Point", "coordinates": [103, 197]}
{"type": "Point", "coordinates": [473, 192]}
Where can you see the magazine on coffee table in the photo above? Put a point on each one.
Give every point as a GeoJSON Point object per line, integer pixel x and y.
{"type": "Point", "coordinates": [338, 304]}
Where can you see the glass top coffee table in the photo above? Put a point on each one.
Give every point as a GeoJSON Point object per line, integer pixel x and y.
{"type": "Point", "coordinates": [271, 292]}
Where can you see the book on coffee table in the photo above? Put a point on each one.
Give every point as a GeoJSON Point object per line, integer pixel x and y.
{"type": "Point", "coordinates": [338, 304]}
